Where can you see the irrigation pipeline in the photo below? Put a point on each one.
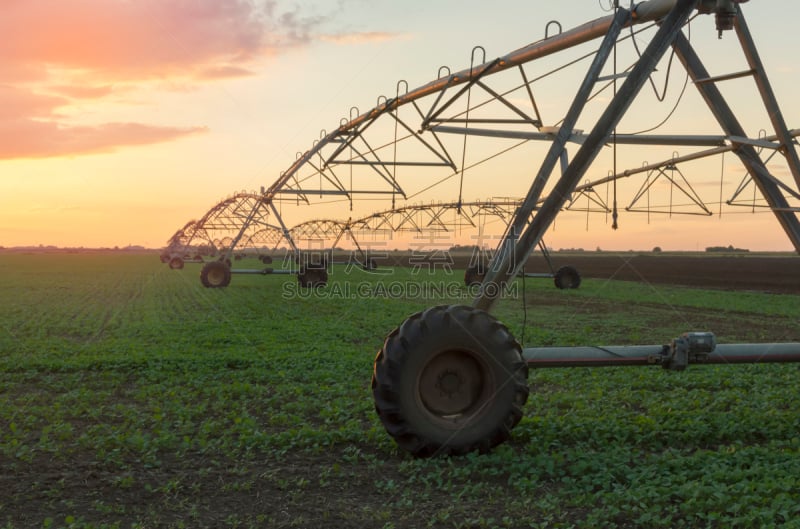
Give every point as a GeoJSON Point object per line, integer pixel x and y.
{"type": "Point", "coordinates": [647, 355]}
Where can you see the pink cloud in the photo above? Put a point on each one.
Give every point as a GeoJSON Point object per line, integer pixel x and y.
{"type": "Point", "coordinates": [145, 39]}
{"type": "Point", "coordinates": [30, 127]}
{"type": "Point", "coordinates": [55, 52]}
{"type": "Point", "coordinates": [41, 139]}
{"type": "Point", "coordinates": [19, 103]}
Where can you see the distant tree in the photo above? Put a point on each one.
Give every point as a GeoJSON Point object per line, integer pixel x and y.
{"type": "Point", "coordinates": [657, 249]}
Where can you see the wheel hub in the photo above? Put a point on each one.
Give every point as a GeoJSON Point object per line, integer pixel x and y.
{"type": "Point", "coordinates": [215, 277]}
{"type": "Point", "coordinates": [451, 384]}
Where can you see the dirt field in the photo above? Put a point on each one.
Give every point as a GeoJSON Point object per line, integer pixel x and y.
{"type": "Point", "coordinates": [763, 273]}
{"type": "Point", "coordinates": [745, 272]}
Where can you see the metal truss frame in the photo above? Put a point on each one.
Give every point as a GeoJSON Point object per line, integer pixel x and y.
{"type": "Point", "coordinates": [241, 217]}
{"type": "Point", "coordinates": [417, 140]}
{"type": "Point", "coordinates": [219, 228]}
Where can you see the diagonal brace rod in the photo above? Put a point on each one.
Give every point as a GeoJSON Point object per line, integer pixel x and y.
{"type": "Point", "coordinates": [512, 254]}
{"type": "Point", "coordinates": [502, 259]}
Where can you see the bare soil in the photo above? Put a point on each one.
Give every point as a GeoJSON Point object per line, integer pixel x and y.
{"type": "Point", "coordinates": [745, 272]}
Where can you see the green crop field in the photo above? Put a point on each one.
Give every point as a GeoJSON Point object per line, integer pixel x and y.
{"type": "Point", "coordinates": [131, 396]}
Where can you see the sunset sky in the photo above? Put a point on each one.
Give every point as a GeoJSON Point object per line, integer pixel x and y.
{"type": "Point", "coordinates": [123, 119]}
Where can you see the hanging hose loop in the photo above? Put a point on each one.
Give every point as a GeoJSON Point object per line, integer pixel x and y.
{"type": "Point", "coordinates": [402, 82]}
{"type": "Point", "coordinates": [472, 57]}
{"type": "Point", "coordinates": [555, 23]}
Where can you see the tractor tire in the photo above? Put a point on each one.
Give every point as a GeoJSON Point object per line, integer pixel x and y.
{"type": "Point", "coordinates": [215, 274]}
{"type": "Point", "coordinates": [449, 381]}
{"type": "Point", "coordinates": [176, 263]}
{"type": "Point", "coordinates": [312, 277]}
{"type": "Point", "coordinates": [567, 277]}
{"type": "Point", "coordinates": [474, 275]}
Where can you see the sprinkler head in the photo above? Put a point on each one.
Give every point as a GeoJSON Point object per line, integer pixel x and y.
{"type": "Point", "coordinates": [724, 12]}
{"type": "Point", "coordinates": [724, 16]}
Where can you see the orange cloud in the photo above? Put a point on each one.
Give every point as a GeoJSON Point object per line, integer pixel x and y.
{"type": "Point", "coordinates": [224, 72]}
{"type": "Point", "coordinates": [362, 38]}
{"type": "Point", "coordinates": [82, 91]}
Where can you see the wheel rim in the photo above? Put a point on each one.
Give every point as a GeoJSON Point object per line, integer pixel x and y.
{"type": "Point", "coordinates": [453, 385]}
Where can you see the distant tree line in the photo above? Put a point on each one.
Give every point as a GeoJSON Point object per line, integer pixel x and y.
{"type": "Point", "coordinates": [725, 249]}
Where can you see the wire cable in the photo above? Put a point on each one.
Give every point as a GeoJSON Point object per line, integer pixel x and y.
{"type": "Point", "coordinates": [666, 82]}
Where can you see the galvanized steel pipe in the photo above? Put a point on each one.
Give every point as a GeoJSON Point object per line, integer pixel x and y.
{"type": "Point", "coordinates": [640, 355]}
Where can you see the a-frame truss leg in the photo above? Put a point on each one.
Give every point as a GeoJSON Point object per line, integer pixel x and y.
{"type": "Point", "coordinates": [513, 253]}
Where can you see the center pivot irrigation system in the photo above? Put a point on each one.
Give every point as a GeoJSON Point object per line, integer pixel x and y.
{"type": "Point", "coordinates": [212, 235]}
{"type": "Point", "coordinates": [452, 379]}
